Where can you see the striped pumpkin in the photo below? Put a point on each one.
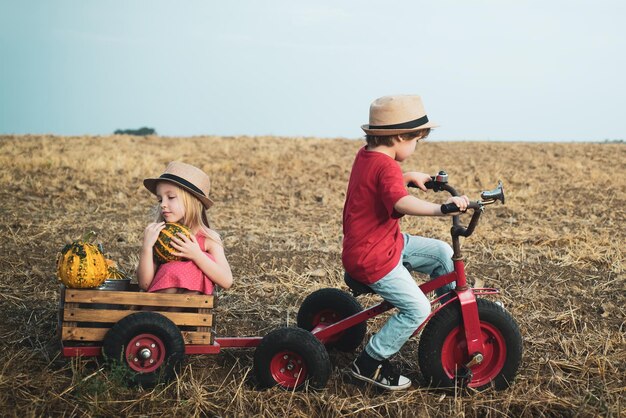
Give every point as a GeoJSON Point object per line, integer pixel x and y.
{"type": "Point", "coordinates": [82, 265]}
{"type": "Point", "coordinates": [115, 272]}
{"type": "Point", "coordinates": [163, 250]}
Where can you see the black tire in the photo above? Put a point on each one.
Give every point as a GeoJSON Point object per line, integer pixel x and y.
{"type": "Point", "coordinates": [330, 306]}
{"type": "Point", "coordinates": [442, 348]}
{"type": "Point", "coordinates": [293, 359]}
{"type": "Point", "coordinates": [148, 346]}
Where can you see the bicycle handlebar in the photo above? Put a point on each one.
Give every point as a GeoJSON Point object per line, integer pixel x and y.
{"type": "Point", "coordinates": [440, 183]}
{"type": "Point", "coordinates": [451, 207]}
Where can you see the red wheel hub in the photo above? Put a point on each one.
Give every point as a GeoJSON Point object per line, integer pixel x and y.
{"type": "Point", "coordinates": [288, 369]}
{"type": "Point", "coordinates": [454, 354]}
{"type": "Point", "coordinates": [328, 317]}
{"type": "Point", "coordinates": [145, 353]}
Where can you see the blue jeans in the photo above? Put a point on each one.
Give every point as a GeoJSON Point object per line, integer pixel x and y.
{"type": "Point", "coordinates": [424, 255]}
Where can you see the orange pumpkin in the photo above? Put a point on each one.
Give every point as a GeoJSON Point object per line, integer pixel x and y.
{"type": "Point", "coordinates": [81, 264]}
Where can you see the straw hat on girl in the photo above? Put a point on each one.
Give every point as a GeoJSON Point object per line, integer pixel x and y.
{"type": "Point", "coordinates": [186, 176]}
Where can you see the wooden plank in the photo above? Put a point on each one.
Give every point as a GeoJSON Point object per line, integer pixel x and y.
{"type": "Point", "coordinates": [97, 334]}
{"type": "Point", "coordinates": [192, 337]}
{"type": "Point", "coordinates": [83, 334]}
{"type": "Point", "coordinates": [69, 306]}
{"type": "Point", "coordinates": [204, 312]}
{"type": "Point", "coordinates": [76, 314]}
{"type": "Point", "coordinates": [138, 298]}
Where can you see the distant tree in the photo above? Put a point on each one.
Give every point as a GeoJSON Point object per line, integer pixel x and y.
{"type": "Point", "coordinates": [138, 132]}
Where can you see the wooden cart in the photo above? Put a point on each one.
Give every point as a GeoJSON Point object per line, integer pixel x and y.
{"type": "Point", "coordinates": [150, 333]}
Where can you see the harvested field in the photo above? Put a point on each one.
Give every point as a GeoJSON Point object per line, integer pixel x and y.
{"type": "Point", "coordinates": [555, 249]}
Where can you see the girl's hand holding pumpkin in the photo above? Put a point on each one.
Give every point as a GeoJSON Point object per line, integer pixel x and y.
{"type": "Point", "coordinates": [151, 234]}
{"type": "Point", "coordinates": [187, 247]}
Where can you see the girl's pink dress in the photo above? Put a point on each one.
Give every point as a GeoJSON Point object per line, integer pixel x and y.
{"type": "Point", "coordinates": [183, 274]}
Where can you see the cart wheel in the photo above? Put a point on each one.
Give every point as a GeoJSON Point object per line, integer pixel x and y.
{"type": "Point", "coordinates": [327, 306]}
{"type": "Point", "coordinates": [443, 349]}
{"type": "Point", "coordinates": [291, 358]}
{"type": "Point", "coordinates": [148, 345]}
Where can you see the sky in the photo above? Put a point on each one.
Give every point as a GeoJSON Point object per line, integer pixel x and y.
{"type": "Point", "coordinates": [486, 70]}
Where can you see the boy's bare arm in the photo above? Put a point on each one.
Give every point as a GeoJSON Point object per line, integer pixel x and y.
{"type": "Point", "coordinates": [411, 205]}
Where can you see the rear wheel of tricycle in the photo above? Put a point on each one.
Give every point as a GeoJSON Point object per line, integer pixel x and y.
{"type": "Point", "coordinates": [148, 345]}
{"type": "Point", "coordinates": [293, 359]}
{"type": "Point", "coordinates": [443, 348]}
{"type": "Point", "coordinates": [327, 306]}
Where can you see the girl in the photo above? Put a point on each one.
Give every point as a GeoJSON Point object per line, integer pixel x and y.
{"type": "Point", "coordinates": [183, 195]}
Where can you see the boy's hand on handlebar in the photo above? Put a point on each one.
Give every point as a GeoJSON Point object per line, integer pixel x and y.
{"type": "Point", "coordinates": [416, 178]}
{"type": "Point", "coordinates": [462, 202]}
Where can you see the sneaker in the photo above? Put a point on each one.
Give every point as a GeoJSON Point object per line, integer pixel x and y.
{"type": "Point", "coordinates": [378, 373]}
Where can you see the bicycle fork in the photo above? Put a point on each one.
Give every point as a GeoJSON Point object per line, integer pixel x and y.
{"type": "Point", "coordinates": [471, 325]}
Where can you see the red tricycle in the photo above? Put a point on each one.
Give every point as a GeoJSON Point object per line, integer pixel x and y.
{"type": "Point", "coordinates": [466, 341]}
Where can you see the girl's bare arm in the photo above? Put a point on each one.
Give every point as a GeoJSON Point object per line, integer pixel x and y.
{"type": "Point", "coordinates": [218, 270]}
{"type": "Point", "coordinates": [147, 266]}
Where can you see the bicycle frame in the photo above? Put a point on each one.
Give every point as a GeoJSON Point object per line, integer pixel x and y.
{"type": "Point", "coordinates": [465, 295]}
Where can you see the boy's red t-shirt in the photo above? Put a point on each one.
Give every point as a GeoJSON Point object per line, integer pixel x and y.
{"type": "Point", "coordinates": [372, 242]}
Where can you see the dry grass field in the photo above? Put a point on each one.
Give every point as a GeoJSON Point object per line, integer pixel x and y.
{"type": "Point", "coordinates": [555, 250]}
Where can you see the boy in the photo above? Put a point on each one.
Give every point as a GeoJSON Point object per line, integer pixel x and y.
{"type": "Point", "coordinates": [374, 251]}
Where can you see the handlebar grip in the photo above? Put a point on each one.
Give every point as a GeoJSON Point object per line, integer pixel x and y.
{"type": "Point", "coordinates": [429, 185]}
{"type": "Point", "coordinates": [449, 208]}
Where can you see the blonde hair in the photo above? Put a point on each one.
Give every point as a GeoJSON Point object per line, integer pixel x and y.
{"type": "Point", "coordinates": [195, 214]}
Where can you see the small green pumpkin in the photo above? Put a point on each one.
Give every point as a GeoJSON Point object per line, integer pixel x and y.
{"type": "Point", "coordinates": [115, 272]}
{"type": "Point", "coordinates": [81, 264]}
{"type": "Point", "coordinates": [163, 250]}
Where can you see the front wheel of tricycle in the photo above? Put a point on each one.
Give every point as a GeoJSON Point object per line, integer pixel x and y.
{"type": "Point", "coordinates": [293, 359]}
{"type": "Point", "coordinates": [443, 348]}
{"type": "Point", "coordinates": [148, 346]}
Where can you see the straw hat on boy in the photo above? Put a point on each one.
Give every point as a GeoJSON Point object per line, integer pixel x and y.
{"type": "Point", "coordinates": [395, 115]}
{"type": "Point", "coordinates": [186, 176]}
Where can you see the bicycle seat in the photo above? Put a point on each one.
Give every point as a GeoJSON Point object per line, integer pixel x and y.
{"type": "Point", "coordinates": [357, 288]}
